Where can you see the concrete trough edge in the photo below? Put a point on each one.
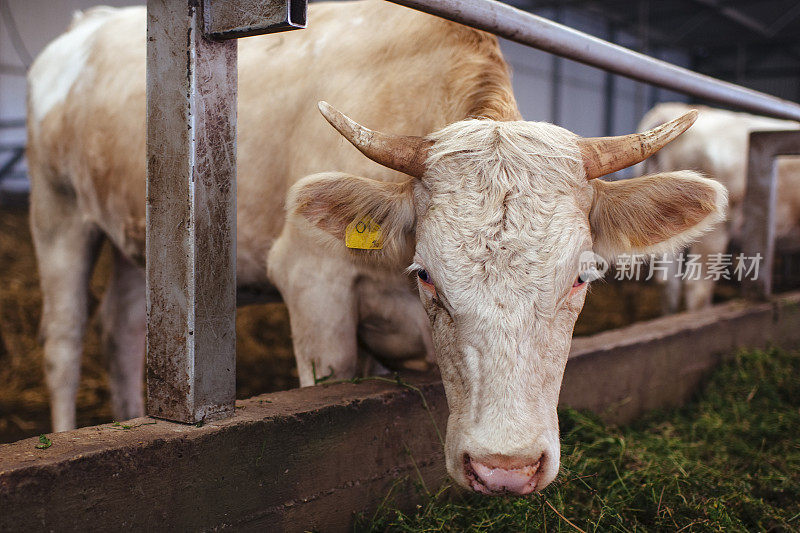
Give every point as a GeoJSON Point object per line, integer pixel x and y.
{"type": "Point", "coordinates": [311, 458]}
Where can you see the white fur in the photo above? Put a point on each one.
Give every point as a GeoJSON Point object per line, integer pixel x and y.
{"type": "Point", "coordinates": [502, 218]}
{"type": "Point", "coordinates": [63, 61]}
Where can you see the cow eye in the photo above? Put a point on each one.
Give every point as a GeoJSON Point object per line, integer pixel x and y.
{"type": "Point", "coordinates": [585, 277]}
{"type": "Point", "coordinates": [423, 276]}
{"type": "Point", "coordinates": [427, 282]}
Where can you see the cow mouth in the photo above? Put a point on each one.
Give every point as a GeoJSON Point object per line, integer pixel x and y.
{"type": "Point", "coordinates": [475, 483]}
{"type": "Point", "coordinates": [478, 485]}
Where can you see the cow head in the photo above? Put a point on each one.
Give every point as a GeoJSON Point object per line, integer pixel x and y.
{"type": "Point", "coordinates": [496, 217]}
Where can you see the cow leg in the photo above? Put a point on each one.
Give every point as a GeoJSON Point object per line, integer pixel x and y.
{"type": "Point", "coordinates": [319, 291]}
{"type": "Point", "coordinates": [323, 321]}
{"type": "Point", "coordinates": [123, 319]}
{"type": "Point", "coordinates": [672, 286]}
{"type": "Point", "coordinates": [393, 325]}
{"type": "Point", "coordinates": [66, 249]}
{"type": "Point", "coordinates": [699, 292]}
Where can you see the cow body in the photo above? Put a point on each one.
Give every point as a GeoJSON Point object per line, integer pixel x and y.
{"type": "Point", "coordinates": [87, 164]}
{"type": "Point", "coordinates": [717, 146]}
{"type": "Point", "coordinates": [493, 214]}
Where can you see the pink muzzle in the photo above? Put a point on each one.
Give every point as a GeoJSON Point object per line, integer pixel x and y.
{"type": "Point", "coordinates": [491, 479]}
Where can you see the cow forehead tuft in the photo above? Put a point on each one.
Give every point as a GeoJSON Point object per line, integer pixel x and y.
{"type": "Point", "coordinates": [505, 192]}
{"type": "Point", "coordinates": [488, 153]}
{"type": "Point", "coordinates": [505, 213]}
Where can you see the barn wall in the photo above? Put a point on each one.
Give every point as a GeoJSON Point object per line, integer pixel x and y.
{"type": "Point", "coordinates": [581, 101]}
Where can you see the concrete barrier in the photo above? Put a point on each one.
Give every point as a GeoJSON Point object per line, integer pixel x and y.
{"type": "Point", "coordinates": [310, 459]}
{"type": "Point", "coordinates": [622, 373]}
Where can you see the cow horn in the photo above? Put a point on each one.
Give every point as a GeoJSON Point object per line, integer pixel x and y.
{"type": "Point", "coordinates": [604, 155]}
{"type": "Point", "coordinates": [405, 153]}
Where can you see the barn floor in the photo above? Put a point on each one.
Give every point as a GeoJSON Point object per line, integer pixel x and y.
{"type": "Point", "coordinates": [264, 363]}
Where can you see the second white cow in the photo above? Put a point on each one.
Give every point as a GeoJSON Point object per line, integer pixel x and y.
{"type": "Point", "coordinates": [717, 146]}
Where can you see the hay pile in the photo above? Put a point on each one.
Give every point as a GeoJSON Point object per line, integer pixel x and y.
{"type": "Point", "coordinates": [265, 362]}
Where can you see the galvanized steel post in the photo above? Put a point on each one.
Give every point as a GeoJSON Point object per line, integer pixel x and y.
{"type": "Point", "coordinates": [191, 216]}
{"type": "Point", "coordinates": [191, 198]}
{"type": "Point", "coordinates": [758, 229]}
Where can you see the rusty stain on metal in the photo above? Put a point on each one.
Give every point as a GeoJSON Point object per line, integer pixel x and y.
{"type": "Point", "coordinates": [243, 18]}
{"type": "Point", "coordinates": [758, 229]}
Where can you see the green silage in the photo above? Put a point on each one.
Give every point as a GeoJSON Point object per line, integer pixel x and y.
{"type": "Point", "coordinates": [728, 461]}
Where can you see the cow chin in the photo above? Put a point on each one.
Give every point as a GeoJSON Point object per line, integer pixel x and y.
{"type": "Point", "coordinates": [516, 471]}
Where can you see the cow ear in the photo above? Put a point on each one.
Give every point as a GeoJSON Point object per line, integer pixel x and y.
{"type": "Point", "coordinates": [373, 219]}
{"type": "Point", "coordinates": [654, 214]}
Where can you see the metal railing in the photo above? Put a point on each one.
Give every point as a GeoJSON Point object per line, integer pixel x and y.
{"type": "Point", "coordinates": [538, 32]}
{"type": "Point", "coordinates": [11, 155]}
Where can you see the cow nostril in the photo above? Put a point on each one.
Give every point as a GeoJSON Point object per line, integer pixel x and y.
{"type": "Point", "coordinates": [498, 477]}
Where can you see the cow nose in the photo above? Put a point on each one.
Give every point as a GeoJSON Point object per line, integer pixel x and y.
{"type": "Point", "coordinates": [498, 477]}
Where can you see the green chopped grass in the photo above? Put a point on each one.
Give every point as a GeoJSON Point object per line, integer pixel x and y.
{"type": "Point", "coordinates": [728, 461]}
{"type": "Point", "coordinates": [44, 442]}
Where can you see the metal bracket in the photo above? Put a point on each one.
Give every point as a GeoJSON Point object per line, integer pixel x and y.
{"type": "Point", "coordinates": [243, 18]}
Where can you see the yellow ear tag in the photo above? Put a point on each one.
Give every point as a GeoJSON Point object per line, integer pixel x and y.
{"type": "Point", "coordinates": [363, 234]}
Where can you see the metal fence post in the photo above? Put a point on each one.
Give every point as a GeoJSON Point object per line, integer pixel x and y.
{"type": "Point", "coordinates": [758, 229]}
{"type": "Point", "coordinates": [191, 216]}
{"type": "Point", "coordinates": [191, 198]}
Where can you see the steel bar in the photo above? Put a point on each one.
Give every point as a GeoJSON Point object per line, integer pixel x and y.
{"type": "Point", "coordinates": [538, 32]}
{"type": "Point", "coordinates": [17, 153]}
{"type": "Point", "coordinates": [13, 70]}
{"type": "Point", "coordinates": [12, 123]}
{"type": "Point", "coordinates": [758, 230]}
{"type": "Point", "coordinates": [231, 19]}
{"type": "Point", "coordinates": [191, 216]}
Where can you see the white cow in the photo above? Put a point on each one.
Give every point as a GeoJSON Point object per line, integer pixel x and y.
{"type": "Point", "coordinates": [492, 213]}
{"type": "Point", "coordinates": [717, 146]}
